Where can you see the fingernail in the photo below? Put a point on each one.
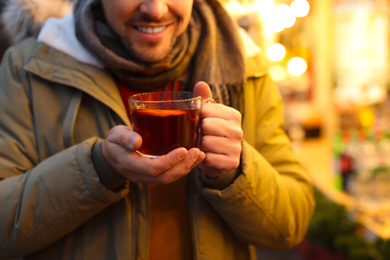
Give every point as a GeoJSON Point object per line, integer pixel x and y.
{"type": "Point", "coordinates": [199, 155]}
{"type": "Point", "coordinates": [182, 155]}
{"type": "Point", "coordinates": [131, 143]}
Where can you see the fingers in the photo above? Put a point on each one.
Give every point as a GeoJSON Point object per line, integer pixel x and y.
{"type": "Point", "coordinates": [222, 154]}
{"type": "Point", "coordinates": [221, 121]}
{"type": "Point", "coordinates": [221, 139]}
{"type": "Point", "coordinates": [180, 169]}
{"type": "Point", "coordinates": [170, 167]}
{"type": "Point", "coordinates": [165, 162]}
{"type": "Point", "coordinates": [220, 145]}
{"type": "Point", "coordinates": [220, 111]}
{"type": "Point", "coordinates": [221, 128]}
{"type": "Point", "coordinates": [119, 151]}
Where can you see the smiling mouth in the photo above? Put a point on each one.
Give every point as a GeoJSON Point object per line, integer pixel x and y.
{"type": "Point", "coordinates": [151, 30]}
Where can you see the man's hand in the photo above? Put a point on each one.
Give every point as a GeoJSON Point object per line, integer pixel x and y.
{"type": "Point", "coordinates": [119, 151]}
{"type": "Point", "coordinates": [221, 135]}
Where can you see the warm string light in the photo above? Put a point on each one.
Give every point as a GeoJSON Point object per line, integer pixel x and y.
{"type": "Point", "coordinates": [276, 18]}
{"type": "Point", "coordinates": [297, 66]}
{"type": "Point", "coordinates": [300, 8]}
{"type": "Point", "coordinates": [276, 52]}
{"type": "Point", "coordinates": [274, 15]}
{"type": "Point", "coordinates": [284, 16]}
{"type": "Point", "coordinates": [281, 18]}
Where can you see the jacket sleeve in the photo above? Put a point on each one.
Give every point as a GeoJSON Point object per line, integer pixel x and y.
{"type": "Point", "coordinates": [271, 201]}
{"type": "Point", "coordinates": [40, 200]}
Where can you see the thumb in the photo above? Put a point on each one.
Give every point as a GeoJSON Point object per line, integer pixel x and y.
{"type": "Point", "coordinates": [134, 141]}
{"type": "Point", "coordinates": [202, 89]}
{"type": "Point", "coordinates": [123, 136]}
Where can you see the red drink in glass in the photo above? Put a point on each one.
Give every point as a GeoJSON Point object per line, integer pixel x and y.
{"type": "Point", "coordinates": [165, 130]}
{"type": "Point", "coordinates": [165, 121]}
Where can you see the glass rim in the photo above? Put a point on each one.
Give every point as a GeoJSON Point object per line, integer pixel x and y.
{"type": "Point", "coordinates": [134, 97]}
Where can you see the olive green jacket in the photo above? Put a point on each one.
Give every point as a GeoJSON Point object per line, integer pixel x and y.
{"type": "Point", "coordinates": [53, 109]}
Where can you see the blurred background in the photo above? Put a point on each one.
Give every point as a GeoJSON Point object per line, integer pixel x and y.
{"type": "Point", "coordinates": [330, 60]}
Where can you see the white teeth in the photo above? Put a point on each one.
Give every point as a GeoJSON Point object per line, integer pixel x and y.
{"type": "Point", "coordinates": [151, 30]}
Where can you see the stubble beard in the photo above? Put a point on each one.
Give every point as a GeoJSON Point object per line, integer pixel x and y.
{"type": "Point", "coordinates": [140, 55]}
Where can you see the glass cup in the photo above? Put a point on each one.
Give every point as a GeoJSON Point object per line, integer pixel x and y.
{"type": "Point", "coordinates": [165, 120]}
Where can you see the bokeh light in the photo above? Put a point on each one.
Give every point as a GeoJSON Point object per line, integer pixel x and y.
{"type": "Point", "coordinates": [281, 18]}
{"type": "Point", "coordinates": [297, 66]}
{"type": "Point", "coordinates": [276, 52]}
{"type": "Point", "coordinates": [265, 8]}
{"type": "Point", "coordinates": [278, 73]}
{"type": "Point", "coordinates": [274, 24]}
{"type": "Point", "coordinates": [234, 7]}
{"type": "Point", "coordinates": [300, 8]}
{"type": "Point", "coordinates": [284, 15]}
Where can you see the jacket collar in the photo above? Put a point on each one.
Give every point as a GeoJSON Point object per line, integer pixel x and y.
{"type": "Point", "coordinates": [58, 67]}
{"type": "Point", "coordinates": [60, 34]}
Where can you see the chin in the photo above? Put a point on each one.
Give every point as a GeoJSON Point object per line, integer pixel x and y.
{"type": "Point", "coordinates": [151, 59]}
{"type": "Point", "coordinates": [148, 54]}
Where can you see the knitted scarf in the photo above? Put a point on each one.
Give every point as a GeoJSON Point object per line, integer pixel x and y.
{"type": "Point", "coordinates": [210, 50]}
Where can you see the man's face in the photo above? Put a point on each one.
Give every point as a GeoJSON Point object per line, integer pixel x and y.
{"type": "Point", "coordinates": [149, 28]}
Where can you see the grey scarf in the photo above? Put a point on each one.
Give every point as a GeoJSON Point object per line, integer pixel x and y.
{"type": "Point", "coordinates": [210, 50]}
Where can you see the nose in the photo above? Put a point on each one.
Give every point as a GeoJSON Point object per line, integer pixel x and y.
{"type": "Point", "coordinates": [154, 8]}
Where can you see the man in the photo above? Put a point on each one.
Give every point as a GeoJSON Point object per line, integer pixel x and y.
{"type": "Point", "coordinates": [73, 185]}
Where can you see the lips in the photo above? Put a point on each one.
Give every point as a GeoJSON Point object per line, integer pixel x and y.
{"type": "Point", "coordinates": [151, 30]}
